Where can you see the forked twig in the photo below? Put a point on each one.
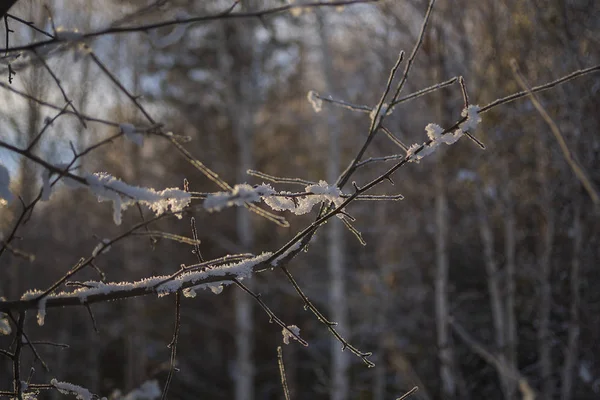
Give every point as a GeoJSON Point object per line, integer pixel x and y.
{"type": "Point", "coordinates": [329, 324]}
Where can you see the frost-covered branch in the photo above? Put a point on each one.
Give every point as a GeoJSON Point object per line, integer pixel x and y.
{"type": "Point", "coordinates": [94, 292]}
{"type": "Point", "coordinates": [105, 187]}
{"type": "Point", "coordinates": [297, 203]}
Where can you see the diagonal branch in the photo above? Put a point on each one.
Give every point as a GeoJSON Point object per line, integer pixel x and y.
{"type": "Point", "coordinates": [223, 15]}
{"type": "Point", "coordinates": [571, 158]}
{"type": "Point", "coordinates": [502, 367]}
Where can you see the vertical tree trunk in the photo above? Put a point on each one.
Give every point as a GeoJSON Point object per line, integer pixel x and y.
{"type": "Point", "coordinates": [335, 256]}
{"type": "Point", "coordinates": [244, 379]}
{"type": "Point", "coordinates": [242, 126]}
{"type": "Point", "coordinates": [494, 289]}
{"type": "Point", "coordinates": [381, 326]}
{"type": "Point", "coordinates": [510, 268]}
{"type": "Point", "coordinates": [134, 310]}
{"type": "Point", "coordinates": [449, 384]}
{"type": "Point", "coordinates": [448, 373]}
{"type": "Point", "coordinates": [545, 267]}
{"type": "Point", "coordinates": [571, 356]}
{"type": "Point", "coordinates": [243, 96]}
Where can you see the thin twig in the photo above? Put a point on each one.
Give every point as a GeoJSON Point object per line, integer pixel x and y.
{"type": "Point", "coordinates": [284, 385]}
{"type": "Point", "coordinates": [465, 95]}
{"type": "Point", "coordinates": [376, 121]}
{"type": "Point", "coordinates": [344, 104]}
{"type": "Point", "coordinates": [367, 109]}
{"type": "Point", "coordinates": [571, 158]}
{"type": "Point", "coordinates": [502, 367]}
{"type": "Point", "coordinates": [91, 314]}
{"type": "Point", "coordinates": [54, 106]}
{"type": "Point", "coordinates": [7, 354]}
{"type": "Point", "coordinates": [271, 314]}
{"type": "Point", "coordinates": [31, 25]}
{"type": "Point", "coordinates": [17, 355]}
{"type": "Point", "coordinates": [173, 345]}
{"type": "Point", "coordinates": [393, 138]}
{"type": "Point", "coordinates": [540, 88]}
{"type": "Point", "coordinates": [46, 126]}
{"type": "Point", "coordinates": [414, 52]}
{"type": "Point", "coordinates": [53, 344]}
{"type": "Point", "coordinates": [329, 324]}
{"type": "Point", "coordinates": [408, 394]}
{"type": "Point", "coordinates": [277, 179]}
{"type": "Point", "coordinates": [224, 15]}
{"type": "Point", "coordinates": [62, 90]}
{"type": "Point", "coordinates": [424, 91]}
{"type": "Point", "coordinates": [197, 241]}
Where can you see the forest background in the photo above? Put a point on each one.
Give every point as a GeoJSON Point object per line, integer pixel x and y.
{"type": "Point", "coordinates": [480, 283]}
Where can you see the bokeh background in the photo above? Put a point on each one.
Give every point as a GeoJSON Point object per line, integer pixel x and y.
{"type": "Point", "coordinates": [480, 284]}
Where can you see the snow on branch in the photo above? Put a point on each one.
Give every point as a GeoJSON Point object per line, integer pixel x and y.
{"type": "Point", "coordinates": [123, 195]}
{"type": "Point", "coordinates": [473, 118]}
{"type": "Point", "coordinates": [316, 194]}
{"type": "Point", "coordinates": [291, 331]}
{"type": "Point", "coordinates": [297, 203]}
{"type": "Point", "coordinates": [241, 269]}
{"type": "Point", "coordinates": [239, 195]}
{"type": "Point", "coordinates": [436, 134]}
{"type": "Point", "coordinates": [314, 100]}
{"type": "Point", "coordinates": [69, 388]}
{"type": "Point", "coordinates": [161, 285]}
{"type": "Point", "coordinates": [322, 192]}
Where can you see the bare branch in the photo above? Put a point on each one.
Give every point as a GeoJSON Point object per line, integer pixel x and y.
{"type": "Point", "coordinates": [571, 158]}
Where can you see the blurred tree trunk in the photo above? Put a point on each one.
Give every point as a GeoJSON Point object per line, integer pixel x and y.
{"type": "Point", "coordinates": [510, 239]}
{"type": "Point", "coordinates": [244, 379]}
{"type": "Point", "coordinates": [445, 350]}
{"type": "Point", "coordinates": [340, 383]}
{"type": "Point", "coordinates": [243, 375]}
{"type": "Point", "coordinates": [571, 352]}
{"type": "Point", "coordinates": [93, 338]}
{"type": "Point", "coordinates": [242, 95]}
{"type": "Point", "coordinates": [545, 242]}
{"type": "Point", "coordinates": [381, 325]}
{"type": "Point", "coordinates": [131, 165]}
{"type": "Point", "coordinates": [28, 172]}
{"type": "Point", "coordinates": [494, 289]}
{"type": "Point", "coordinates": [448, 373]}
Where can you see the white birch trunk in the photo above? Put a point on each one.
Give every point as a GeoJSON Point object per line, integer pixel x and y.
{"type": "Point", "coordinates": [448, 373]}
{"type": "Point", "coordinates": [241, 116]}
{"type": "Point", "coordinates": [244, 337]}
{"type": "Point", "coordinates": [243, 375]}
{"type": "Point", "coordinates": [340, 384]}
{"type": "Point", "coordinates": [449, 384]}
